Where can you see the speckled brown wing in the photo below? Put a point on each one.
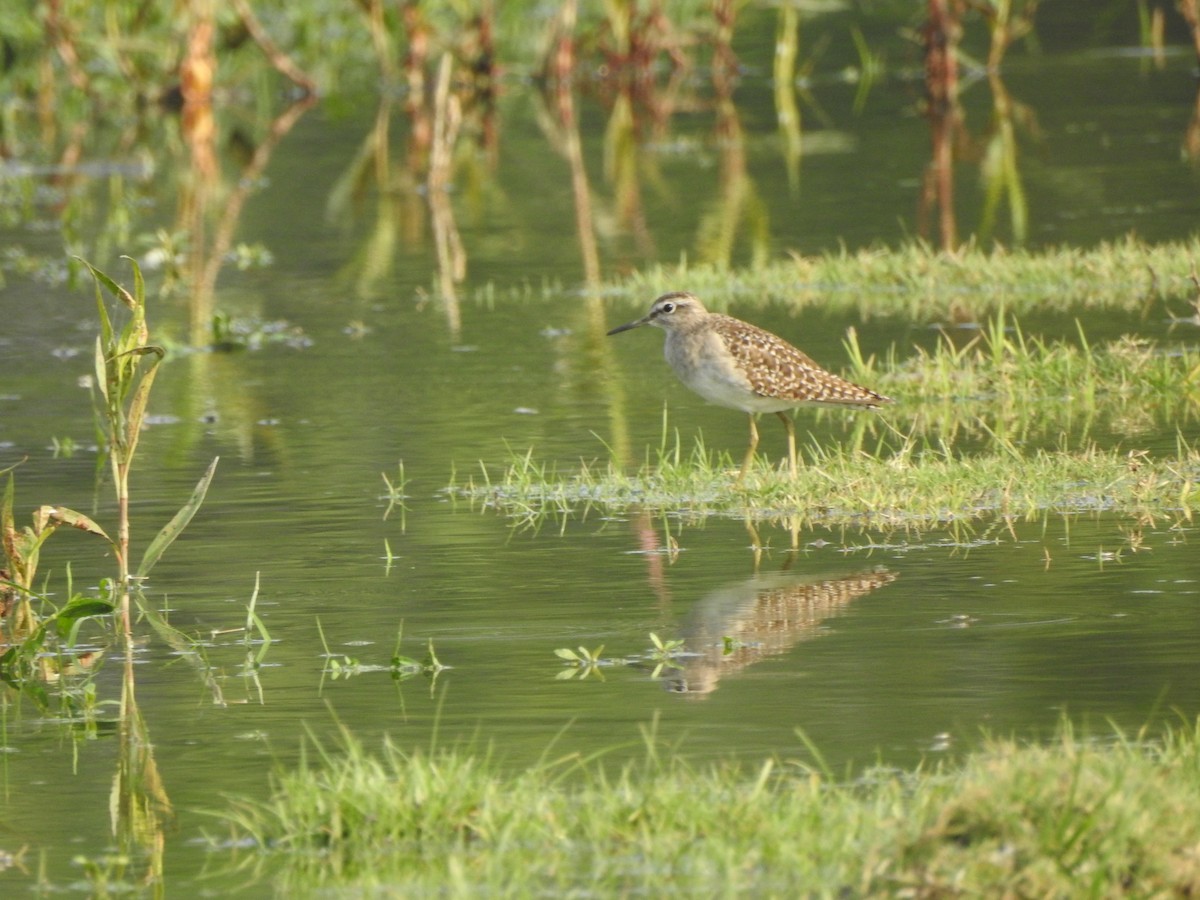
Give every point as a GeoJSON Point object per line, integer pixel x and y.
{"type": "Point", "coordinates": [777, 369]}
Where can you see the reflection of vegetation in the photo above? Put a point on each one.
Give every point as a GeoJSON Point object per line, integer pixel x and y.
{"type": "Point", "coordinates": [1007, 21]}
{"type": "Point", "coordinates": [999, 168]}
{"type": "Point", "coordinates": [1009, 819]}
{"type": "Point", "coordinates": [1190, 10]}
{"type": "Point", "coordinates": [641, 61]}
{"type": "Point", "coordinates": [582, 662]}
{"type": "Point", "coordinates": [140, 809]}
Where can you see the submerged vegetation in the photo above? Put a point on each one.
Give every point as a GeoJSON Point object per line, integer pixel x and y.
{"type": "Point", "coordinates": [1095, 817]}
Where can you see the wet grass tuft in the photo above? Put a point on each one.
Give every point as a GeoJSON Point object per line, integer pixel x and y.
{"type": "Point", "coordinates": [895, 488]}
{"type": "Point", "coordinates": [1069, 818]}
{"type": "Point", "coordinates": [922, 284]}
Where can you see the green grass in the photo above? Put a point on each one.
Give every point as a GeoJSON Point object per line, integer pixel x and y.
{"type": "Point", "coordinates": [896, 488]}
{"type": "Point", "coordinates": [1021, 387]}
{"type": "Point", "coordinates": [919, 283]}
{"type": "Point", "coordinates": [1000, 362]}
{"type": "Point", "coordinates": [1119, 817]}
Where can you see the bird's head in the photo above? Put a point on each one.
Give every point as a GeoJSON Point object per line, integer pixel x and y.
{"type": "Point", "coordinates": [672, 310]}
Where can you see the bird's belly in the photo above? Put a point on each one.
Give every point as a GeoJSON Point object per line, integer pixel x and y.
{"type": "Point", "coordinates": [723, 391]}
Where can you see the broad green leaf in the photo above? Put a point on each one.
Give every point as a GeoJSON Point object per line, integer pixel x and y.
{"type": "Point", "coordinates": [171, 530]}
{"type": "Point", "coordinates": [82, 607]}
{"type": "Point", "coordinates": [26, 546]}
{"type": "Point", "coordinates": [113, 288]}
{"type": "Point", "coordinates": [137, 407]}
{"type": "Point", "coordinates": [142, 333]}
{"type": "Point", "coordinates": [68, 619]}
{"type": "Point", "coordinates": [106, 333]}
{"type": "Point", "coordinates": [75, 519]}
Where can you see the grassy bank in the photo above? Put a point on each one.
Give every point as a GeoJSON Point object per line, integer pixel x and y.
{"type": "Point", "coordinates": [1073, 818]}
{"type": "Point", "coordinates": [921, 284]}
{"type": "Point", "coordinates": [897, 488]}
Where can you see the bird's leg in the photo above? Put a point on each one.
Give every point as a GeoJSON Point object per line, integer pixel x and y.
{"type": "Point", "coordinates": [791, 430]}
{"type": "Point", "coordinates": [749, 450]}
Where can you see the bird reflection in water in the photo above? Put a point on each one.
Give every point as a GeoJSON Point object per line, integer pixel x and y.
{"type": "Point", "coordinates": [741, 624]}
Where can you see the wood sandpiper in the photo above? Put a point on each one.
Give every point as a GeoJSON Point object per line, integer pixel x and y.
{"type": "Point", "coordinates": [737, 365]}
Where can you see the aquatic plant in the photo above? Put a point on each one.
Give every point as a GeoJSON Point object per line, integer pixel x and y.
{"type": "Point", "coordinates": [125, 367]}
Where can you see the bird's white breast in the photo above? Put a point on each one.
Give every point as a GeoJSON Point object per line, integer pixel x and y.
{"type": "Point", "coordinates": [707, 367]}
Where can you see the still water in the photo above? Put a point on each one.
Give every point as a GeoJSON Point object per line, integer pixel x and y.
{"type": "Point", "coordinates": [880, 648]}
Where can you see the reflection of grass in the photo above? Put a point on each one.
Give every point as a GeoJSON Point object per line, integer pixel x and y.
{"type": "Point", "coordinates": [898, 487]}
{"type": "Point", "coordinates": [1010, 819]}
{"type": "Point", "coordinates": [919, 283]}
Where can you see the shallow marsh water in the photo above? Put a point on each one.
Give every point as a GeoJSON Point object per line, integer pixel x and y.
{"type": "Point", "coordinates": [882, 648]}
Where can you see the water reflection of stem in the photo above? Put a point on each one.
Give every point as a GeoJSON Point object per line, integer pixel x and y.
{"type": "Point", "coordinates": [197, 71]}
{"type": "Point", "coordinates": [1191, 138]}
{"type": "Point", "coordinates": [139, 804]}
{"type": "Point", "coordinates": [941, 32]}
{"type": "Point", "coordinates": [1001, 173]}
{"type": "Point", "coordinates": [787, 111]}
{"type": "Point", "coordinates": [1190, 10]}
{"type": "Point", "coordinates": [452, 258]}
{"type": "Point", "coordinates": [565, 138]}
{"type": "Point", "coordinates": [59, 34]}
{"type": "Point", "coordinates": [280, 60]}
{"type": "Point", "coordinates": [205, 266]}
{"type": "Point", "coordinates": [376, 259]}
{"type": "Point", "coordinates": [621, 168]}
{"type": "Point", "coordinates": [184, 647]}
{"type": "Point", "coordinates": [937, 186]}
{"type": "Point", "coordinates": [379, 38]}
{"type": "Point", "coordinates": [559, 61]}
{"type": "Point", "coordinates": [417, 31]}
{"type": "Point", "coordinates": [1005, 26]}
{"type": "Point", "coordinates": [724, 62]}
{"type": "Point", "coordinates": [654, 551]}
{"type": "Point", "coordinates": [738, 205]}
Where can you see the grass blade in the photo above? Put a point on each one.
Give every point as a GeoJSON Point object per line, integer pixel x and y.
{"type": "Point", "coordinates": [171, 530]}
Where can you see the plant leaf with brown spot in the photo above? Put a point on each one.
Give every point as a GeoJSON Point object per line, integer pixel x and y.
{"type": "Point", "coordinates": [63, 516]}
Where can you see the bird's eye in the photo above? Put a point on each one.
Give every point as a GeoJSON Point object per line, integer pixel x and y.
{"type": "Point", "coordinates": [668, 308]}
